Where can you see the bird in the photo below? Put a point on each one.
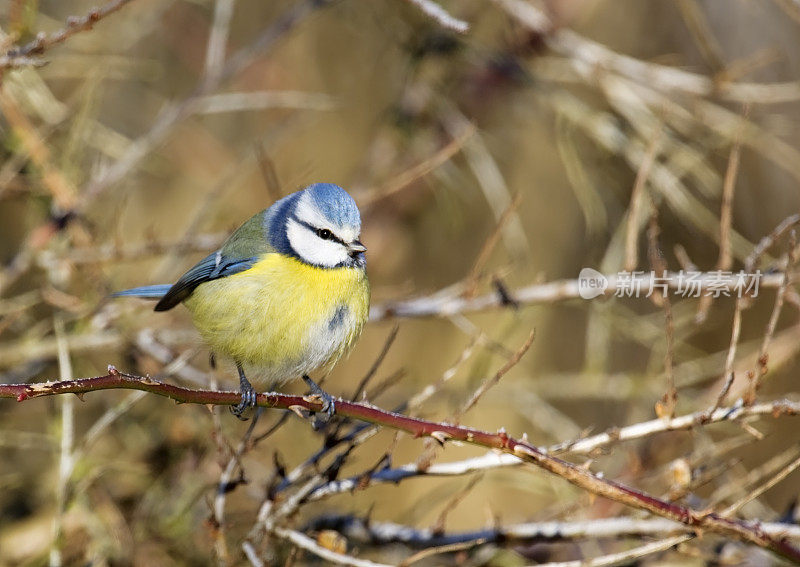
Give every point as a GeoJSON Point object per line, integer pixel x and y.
{"type": "Point", "coordinates": [286, 294]}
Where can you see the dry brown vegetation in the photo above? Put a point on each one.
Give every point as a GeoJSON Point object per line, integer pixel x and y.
{"type": "Point", "coordinates": [496, 148]}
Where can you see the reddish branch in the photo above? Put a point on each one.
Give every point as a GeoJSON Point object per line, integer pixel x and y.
{"type": "Point", "coordinates": [700, 520]}
{"type": "Point", "coordinates": [22, 55]}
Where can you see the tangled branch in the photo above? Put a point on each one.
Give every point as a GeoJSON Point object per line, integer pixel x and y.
{"type": "Point", "coordinates": [595, 483]}
{"type": "Point", "coordinates": [369, 532]}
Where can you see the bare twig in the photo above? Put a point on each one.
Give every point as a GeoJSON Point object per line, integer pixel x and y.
{"type": "Point", "coordinates": [425, 553]}
{"type": "Point", "coordinates": [472, 279]}
{"type": "Point", "coordinates": [17, 352]}
{"type": "Point", "coordinates": [23, 55]}
{"type": "Point", "coordinates": [588, 57]}
{"type": "Point", "coordinates": [731, 357]}
{"type": "Point", "coordinates": [490, 178]}
{"type": "Point", "coordinates": [455, 500]}
{"type": "Point", "coordinates": [769, 240]}
{"type": "Point", "coordinates": [408, 177]}
{"type": "Point", "coordinates": [582, 446]}
{"type": "Point", "coordinates": [725, 260]}
{"type": "Point", "coordinates": [260, 100]}
{"type": "Point", "coordinates": [62, 190]}
{"type": "Point", "coordinates": [366, 532]}
{"type": "Point", "coordinates": [218, 38]}
{"type": "Point", "coordinates": [67, 458]}
{"type": "Point", "coordinates": [726, 208]}
{"type": "Point", "coordinates": [375, 365]}
{"type": "Point", "coordinates": [434, 387]}
{"type": "Point", "coordinates": [763, 358]}
{"type": "Point", "coordinates": [303, 541]}
{"type": "Point", "coordinates": [791, 8]}
{"type": "Point", "coordinates": [251, 554]}
{"type": "Point", "coordinates": [624, 557]}
{"type": "Point", "coordinates": [487, 384]}
{"type": "Point", "coordinates": [223, 487]}
{"type": "Point", "coordinates": [698, 26]}
{"type": "Point", "coordinates": [666, 406]}
{"type": "Point", "coordinates": [753, 494]}
{"type": "Point", "coordinates": [172, 114]}
{"type": "Point", "coordinates": [639, 197]}
{"type": "Point", "coordinates": [440, 15]}
{"type": "Point", "coordinates": [579, 476]}
{"type": "Point", "coordinates": [450, 301]}
{"type": "Point", "coordinates": [111, 252]}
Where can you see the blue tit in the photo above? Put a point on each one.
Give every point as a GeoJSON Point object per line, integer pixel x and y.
{"type": "Point", "coordinates": [286, 294]}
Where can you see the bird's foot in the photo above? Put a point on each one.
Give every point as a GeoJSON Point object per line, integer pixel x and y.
{"type": "Point", "coordinates": [322, 418]}
{"type": "Point", "coordinates": [249, 396]}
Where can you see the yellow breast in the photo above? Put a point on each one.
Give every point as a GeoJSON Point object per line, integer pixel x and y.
{"type": "Point", "coordinates": [283, 316]}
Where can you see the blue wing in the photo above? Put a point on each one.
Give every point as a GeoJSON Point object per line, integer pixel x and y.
{"type": "Point", "coordinates": [212, 267]}
{"type": "Point", "coordinates": [147, 291]}
{"type": "Point", "coordinates": [237, 254]}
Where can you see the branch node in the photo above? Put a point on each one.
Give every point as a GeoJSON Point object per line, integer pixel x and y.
{"type": "Point", "coordinates": [525, 450]}
{"type": "Point", "coordinates": [503, 435]}
{"type": "Point", "coordinates": [300, 411]}
{"type": "Point", "coordinates": [441, 437]}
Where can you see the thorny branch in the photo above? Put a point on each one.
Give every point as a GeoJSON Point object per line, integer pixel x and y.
{"type": "Point", "coordinates": [580, 446]}
{"type": "Point", "coordinates": [581, 477]}
{"type": "Point", "coordinates": [595, 63]}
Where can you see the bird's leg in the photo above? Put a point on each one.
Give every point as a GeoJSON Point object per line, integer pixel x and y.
{"type": "Point", "coordinates": [328, 405]}
{"type": "Point", "coordinates": [249, 395]}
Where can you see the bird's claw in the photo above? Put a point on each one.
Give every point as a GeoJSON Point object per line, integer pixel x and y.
{"type": "Point", "coordinates": [249, 398]}
{"type": "Point", "coordinates": [323, 417]}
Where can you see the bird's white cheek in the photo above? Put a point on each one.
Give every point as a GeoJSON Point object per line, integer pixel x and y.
{"type": "Point", "coordinates": [313, 249]}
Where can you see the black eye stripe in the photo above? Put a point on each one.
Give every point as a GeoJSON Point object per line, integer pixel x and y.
{"type": "Point", "coordinates": [319, 231]}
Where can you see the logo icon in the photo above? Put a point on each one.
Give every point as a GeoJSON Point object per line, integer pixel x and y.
{"type": "Point", "coordinates": [591, 283]}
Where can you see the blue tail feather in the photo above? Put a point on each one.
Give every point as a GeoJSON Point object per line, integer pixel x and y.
{"type": "Point", "coordinates": [147, 291]}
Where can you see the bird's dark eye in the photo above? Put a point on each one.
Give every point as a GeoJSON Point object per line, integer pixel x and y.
{"type": "Point", "coordinates": [324, 233]}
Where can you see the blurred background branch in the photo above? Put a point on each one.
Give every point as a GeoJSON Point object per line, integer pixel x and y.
{"type": "Point", "coordinates": [24, 54]}
{"type": "Point", "coordinates": [497, 148]}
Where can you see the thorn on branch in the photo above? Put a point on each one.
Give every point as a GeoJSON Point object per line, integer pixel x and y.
{"type": "Point", "coordinates": [441, 437]}
{"type": "Point", "coordinates": [280, 468]}
{"type": "Point", "coordinates": [506, 299]}
{"type": "Point", "coordinates": [594, 484]}
{"type": "Point", "coordinates": [230, 486]}
{"type": "Point", "coordinates": [300, 411]}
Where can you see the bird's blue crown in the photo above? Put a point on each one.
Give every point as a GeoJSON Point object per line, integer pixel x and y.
{"type": "Point", "coordinates": [333, 203]}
